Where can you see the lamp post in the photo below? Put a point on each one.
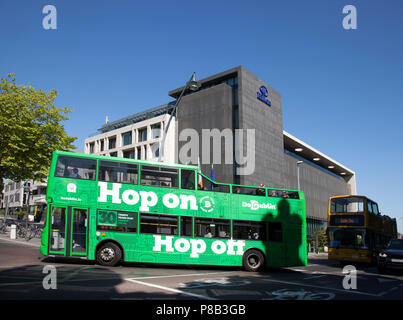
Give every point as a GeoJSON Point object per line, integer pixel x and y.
{"type": "Point", "coordinates": [191, 85]}
{"type": "Point", "coordinates": [298, 164]}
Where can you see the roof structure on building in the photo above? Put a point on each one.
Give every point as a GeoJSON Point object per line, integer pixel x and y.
{"type": "Point", "coordinates": [137, 117]}
{"type": "Point", "coordinates": [308, 152]}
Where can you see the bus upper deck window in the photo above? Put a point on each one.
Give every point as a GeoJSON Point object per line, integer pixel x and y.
{"type": "Point", "coordinates": [120, 172]}
{"type": "Point", "coordinates": [187, 179]}
{"type": "Point", "coordinates": [159, 176]}
{"type": "Point", "coordinates": [79, 168]}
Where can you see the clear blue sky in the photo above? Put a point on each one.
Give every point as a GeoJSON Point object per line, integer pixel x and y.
{"type": "Point", "coordinates": [342, 90]}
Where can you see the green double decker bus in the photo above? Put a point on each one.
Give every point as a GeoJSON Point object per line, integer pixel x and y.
{"type": "Point", "coordinates": [112, 209]}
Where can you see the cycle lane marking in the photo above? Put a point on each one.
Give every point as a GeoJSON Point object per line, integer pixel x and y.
{"type": "Point", "coordinates": [327, 288]}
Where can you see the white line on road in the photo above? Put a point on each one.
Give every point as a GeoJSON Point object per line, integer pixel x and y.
{"type": "Point", "coordinates": [181, 275]}
{"type": "Point", "coordinates": [171, 289]}
{"type": "Point", "coordinates": [314, 277]}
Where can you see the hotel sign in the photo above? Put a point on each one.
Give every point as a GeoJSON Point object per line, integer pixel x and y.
{"type": "Point", "coordinates": [263, 94]}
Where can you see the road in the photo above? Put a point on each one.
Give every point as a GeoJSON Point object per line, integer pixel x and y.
{"type": "Point", "coordinates": [22, 277]}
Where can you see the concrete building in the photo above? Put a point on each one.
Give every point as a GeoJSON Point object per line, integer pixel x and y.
{"type": "Point", "coordinates": [233, 104]}
{"type": "Point", "coordinates": [136, 137]}
{"type": "Point", "coordinates": [13, 198]}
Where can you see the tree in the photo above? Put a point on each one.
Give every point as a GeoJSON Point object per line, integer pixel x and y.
{"type": "Point", "coordinates": [322, 238]}
{"type": "Point", "coordinates": [30, 130]}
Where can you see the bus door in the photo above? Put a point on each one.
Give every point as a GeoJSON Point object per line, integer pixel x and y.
{"type": "Point", "coordinates": [68, 232]}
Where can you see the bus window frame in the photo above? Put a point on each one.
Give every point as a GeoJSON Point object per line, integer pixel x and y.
{"type": "Point", "coordinates": [78, 178]}
{"type": "Point", "coordinates": [178, 176]}
{"type": "Point", "coordinates": [117, 161]}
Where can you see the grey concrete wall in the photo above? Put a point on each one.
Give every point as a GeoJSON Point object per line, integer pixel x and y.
{"type": "Point", "coordinates": [317, 185]}
{"type": "Point", "coordinates": [208, 109]}
{"type": "Point", "coordinates": [268, 124]}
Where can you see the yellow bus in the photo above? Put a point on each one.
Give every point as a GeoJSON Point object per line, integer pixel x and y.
{"type": "Point", "coordinates": [356, 229]}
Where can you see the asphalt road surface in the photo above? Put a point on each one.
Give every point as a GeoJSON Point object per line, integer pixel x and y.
{"type": "Point", "coordinates": [23, 272]}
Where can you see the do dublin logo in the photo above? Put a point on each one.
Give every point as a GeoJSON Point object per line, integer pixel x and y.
{"type": "Point", "coordinates": [263, 94]}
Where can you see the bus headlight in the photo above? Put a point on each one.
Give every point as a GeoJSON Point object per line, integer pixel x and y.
{"type": "Point", "coordinates": [383, 255]}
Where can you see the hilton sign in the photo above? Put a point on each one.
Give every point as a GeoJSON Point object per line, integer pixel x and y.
{"type": "Point", "coordinates": [263, 94]}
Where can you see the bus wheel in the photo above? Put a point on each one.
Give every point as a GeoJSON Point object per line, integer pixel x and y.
{"type": "Point", "coordinates": [109, 254]}
{"type": "Point", "coordinates": [253, 260]}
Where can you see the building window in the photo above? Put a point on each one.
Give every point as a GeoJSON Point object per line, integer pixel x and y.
{"type": "Point", "coordinates": [143, 135]}
{"type": "Point", "coordinates": [113, 154]}
{"type": "Point", "coordinates": [92, 145]}
{"type": "Point", "coordinates": [102, 145]}
{"type": "Point", "coordinates": [155, 131]}
{"type": "Point", "coordinates": [127, 138]}
{"type": "Point", "coordinates": [155, 149]}
{"type": "Point", "coordinates": [129, 154]}
{"type": "Point", "coordinates": [139, 153]}
{"type": "Point", "coordinates": [112, 143]}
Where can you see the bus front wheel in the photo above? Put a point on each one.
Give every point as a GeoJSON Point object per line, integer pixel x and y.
{"type": "Point", "coordinates": [253, 260]}
{"type": "Point", "coordinates": [109, 254]}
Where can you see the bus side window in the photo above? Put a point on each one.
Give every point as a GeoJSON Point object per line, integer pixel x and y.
{"type": "Point", "coordinates": [74, 167]}
{"type": "Point", "coordinates": [208, 185]}
{"type": "Point", "coordinates": [212, 228]}
{"type": "Point", "coordinates": [275, 232]}
{"type": "Point", "coordinates": [186, 226]}
{"type": "Point", "coordinates": [188, 179]}
{"type": "Point", "coordinates": [158, 224]}
{"type": "Point", "coordinates": [159, 176]}
{"type": "Point", "coordinates": [249, 230]}
{"type": "Point", "coordinates": [253, 191]}
{"type": "Point", "coordinates": [120, 172]}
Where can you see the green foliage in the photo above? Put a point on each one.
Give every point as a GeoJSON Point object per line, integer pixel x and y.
{"type": "Point", "coordinates": [322, 238]}
{"type": "Point", "coordinates": [30, 130]}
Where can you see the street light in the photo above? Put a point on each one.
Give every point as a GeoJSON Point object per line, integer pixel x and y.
{"type": "Point", "coordinates": [298, 164]}
{"type": "Point", "coordinates": [192, 85]}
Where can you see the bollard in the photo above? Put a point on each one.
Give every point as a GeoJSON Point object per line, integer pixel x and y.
{"type": "Point", "coordinates": [13, 232]}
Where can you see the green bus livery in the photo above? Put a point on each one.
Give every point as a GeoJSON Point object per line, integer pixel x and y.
{"type": "Point", "coordinates": [112, 209]}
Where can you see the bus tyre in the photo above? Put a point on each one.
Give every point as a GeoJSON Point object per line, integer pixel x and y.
{"type": "Point", "coordinates": [253, 260]}
{"type": "Point", "coordinates": [109, 254]}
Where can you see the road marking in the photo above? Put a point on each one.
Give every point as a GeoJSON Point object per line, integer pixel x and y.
{"type": "Point", "coordinates": [327, 288]}
{"type": "Point", "coordinates": [182, 275]}
{"type": "Point", "coordinates": [382, 280]}
{"type": "Point", "coordinates": [314, 277]}
{"type": "Point", "coordinates": [20, 242]}
{"type": "Point", "coordinates": [171, 289]}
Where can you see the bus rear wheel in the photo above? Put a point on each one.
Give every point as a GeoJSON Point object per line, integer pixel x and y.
{"type": "Point", "coordinates": [109, 254]}
{"type": "Point", "coordinates": [253, 260]}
